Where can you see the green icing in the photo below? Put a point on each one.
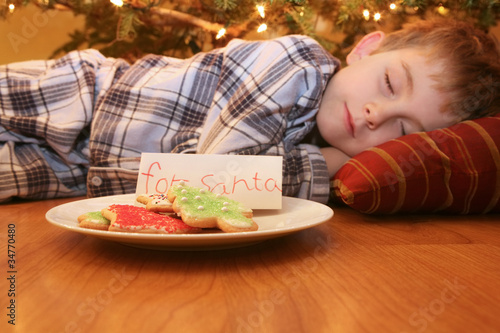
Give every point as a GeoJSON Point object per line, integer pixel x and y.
{"type": "Point", "coordinates": [189, 199]}
{"type": "Point", "coordinates": [96, 217]}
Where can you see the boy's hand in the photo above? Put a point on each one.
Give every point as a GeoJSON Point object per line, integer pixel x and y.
{"type": "Point", "coordinates": [334, 159]}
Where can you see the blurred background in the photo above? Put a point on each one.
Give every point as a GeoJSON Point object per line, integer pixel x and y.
{"type": "Point", "coordinates": [43, 29]}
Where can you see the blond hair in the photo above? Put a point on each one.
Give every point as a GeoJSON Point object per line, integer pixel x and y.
{"type": "Point", "coordinates": [469, 58]}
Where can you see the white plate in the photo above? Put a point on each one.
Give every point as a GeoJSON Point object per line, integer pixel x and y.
{"type": "Point", "coordinates": [296, 214]}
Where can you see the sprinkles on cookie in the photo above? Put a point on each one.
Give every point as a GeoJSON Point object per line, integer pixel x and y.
{"type": "Point", "coordinates": [201, 208]}
{"type": "Point", "coordinates": [129, 218]}
{"type": "Point", "coordinates": [156, 202]}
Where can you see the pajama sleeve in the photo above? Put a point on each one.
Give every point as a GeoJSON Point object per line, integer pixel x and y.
{"type": "Point", "coordinates": [46, 108]}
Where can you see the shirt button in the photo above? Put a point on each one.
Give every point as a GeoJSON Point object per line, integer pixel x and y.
{"type": "Point", "coordinates": [96, 181]}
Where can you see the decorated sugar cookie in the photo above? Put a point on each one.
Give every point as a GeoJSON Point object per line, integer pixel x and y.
{"type": "Point", "coordinates": [93, 220]}
{"type": "Point", "coordinates": [156, 202]}
{"type": "Point", "coordinates": [129, 218]}
{"type": "Point", "coordinates": [204, 209]}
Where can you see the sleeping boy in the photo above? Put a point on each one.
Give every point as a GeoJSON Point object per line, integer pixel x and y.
{"type": "Point", "coordinates": [78, 125]}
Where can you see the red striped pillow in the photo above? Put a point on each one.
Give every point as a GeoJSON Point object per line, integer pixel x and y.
{"type": "Point", "coordinates": [453, 170]}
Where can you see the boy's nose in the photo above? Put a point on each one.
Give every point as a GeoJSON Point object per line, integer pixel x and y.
{"type": "Point", "coordinates": [372, 116]}
{"type": "Point", "coordinates": [377, 114]}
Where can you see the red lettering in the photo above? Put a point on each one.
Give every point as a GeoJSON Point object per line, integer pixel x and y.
{"type": "Point", "coordinates": [211, 189]}
{"type": "Point", "coordinates": [273, 187]}
{"type": "Point", "coordinates": [224, 190]}
{"type": "Point", "coordinates": [165, 186]}
{"type": "Point", "coordinates": [203, 182]}
{"type": "Point", "coordinates": [270, 185]}
{"type": "Point", "coordinates": [240, 180]}
{"type": "Point", "coordinates": [148, 175]}
{"type": "Point", "coordinates": [256, 181]}
{"type": "Point", "coordinates": [162, 185]}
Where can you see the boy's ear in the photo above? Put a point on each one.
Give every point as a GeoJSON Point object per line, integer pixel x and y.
{"type": "Point", "coordinates": [365, 46]}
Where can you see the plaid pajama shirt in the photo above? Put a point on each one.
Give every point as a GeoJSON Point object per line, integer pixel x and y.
{"type": "Point", "coordinates": [78, 124]}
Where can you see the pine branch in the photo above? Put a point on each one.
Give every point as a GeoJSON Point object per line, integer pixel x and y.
{"type": "Point", "coordinates": [186, 18]}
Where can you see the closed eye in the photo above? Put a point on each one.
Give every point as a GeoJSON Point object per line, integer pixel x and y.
{"type": "Point", "coordinates": [403, 130]}
{"type": "Point", "coordinates": [388, 83]}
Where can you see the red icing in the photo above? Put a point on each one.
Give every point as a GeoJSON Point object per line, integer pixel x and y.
{"type": "Point", "coordinates": [128, 216]}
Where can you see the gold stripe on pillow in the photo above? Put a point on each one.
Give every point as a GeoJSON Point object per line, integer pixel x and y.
{"type": "Point", "coordinates": [341, 190]}
{"type": "Point", "coordinates": [470, 168]}
{"type": "Point", "coordinates": [399, 174]}
{"type": "Point", "coordinates": [495, 155]}
{"type": "Point", "coordinates": [423, 168]}
{"type": "Point", "coordinates": [373, 183]}
{"type": "Point", "coordinates": [445, 163]}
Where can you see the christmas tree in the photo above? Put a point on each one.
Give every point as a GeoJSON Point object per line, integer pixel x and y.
{"type": "Point", "coordinates": [132, 28]}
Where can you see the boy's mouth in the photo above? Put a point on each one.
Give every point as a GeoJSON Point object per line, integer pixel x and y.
{"type": "Point", "coordinates": [348, 122]}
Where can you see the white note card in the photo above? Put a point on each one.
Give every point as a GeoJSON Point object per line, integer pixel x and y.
{"type": "Point", "coordinates": [255, 181]}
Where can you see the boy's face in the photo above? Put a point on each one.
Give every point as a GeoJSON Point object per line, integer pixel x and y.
{"type": "Point", "coordinates": [381, 97]}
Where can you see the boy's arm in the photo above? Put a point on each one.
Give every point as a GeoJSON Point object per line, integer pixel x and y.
{"type": "Point", "coordinates": [334, 158]}
{"type": "Point", "coordinates": [31, 171]}
{"type": "Point", "coordinates": [44, 116]}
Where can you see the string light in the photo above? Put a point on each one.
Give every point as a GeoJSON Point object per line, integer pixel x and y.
{"type": "Point", "coordinates": [392, 6]}
{"type": "Point", "coordinates": [11, 8]}
{"type": "Point", "coordinates": [118, 3]}
{"type": "Point", "coordinates": [221, 33]}
{"type": "Point", "coordinates": [442, 9]}
{"type": "Point", "coordinates": [262, 28]}
{"type": "Point", "coordinates": [260, 9]}
{"type": "Point", "coordinates": [366, 14]}
{"type": "Point", "coordinates": [377, 16]}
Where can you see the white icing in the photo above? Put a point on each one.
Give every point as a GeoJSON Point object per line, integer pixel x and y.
{"type": "Point", "coordinates": [238, 223]}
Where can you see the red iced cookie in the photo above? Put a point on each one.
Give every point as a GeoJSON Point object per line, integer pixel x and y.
{"type": "Point", "coordinates": [129, 218]}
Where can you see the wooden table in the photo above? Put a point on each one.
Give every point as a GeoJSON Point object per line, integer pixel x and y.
{"type": "Point", "coordinates": [355, 273]}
